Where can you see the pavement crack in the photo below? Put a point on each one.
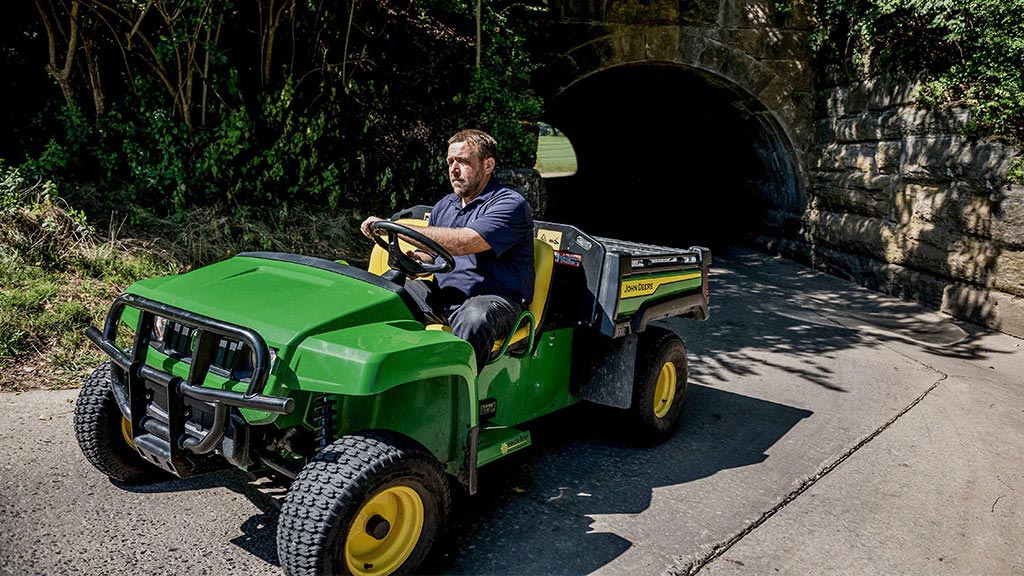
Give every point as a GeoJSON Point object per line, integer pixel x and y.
{"type": "Point", "coordinates": [696, 565]}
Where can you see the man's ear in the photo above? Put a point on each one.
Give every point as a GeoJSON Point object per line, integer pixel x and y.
{"type": "Point", "coordinates": [488, 165]}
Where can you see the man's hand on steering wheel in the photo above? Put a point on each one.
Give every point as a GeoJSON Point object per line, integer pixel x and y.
{"type": "Point", "coordinates": [416, 264]}
{"type": "Point", "coordinates": [422, 256]}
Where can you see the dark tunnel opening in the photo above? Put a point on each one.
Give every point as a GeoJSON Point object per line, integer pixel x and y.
{"type": "Point", "coordinates": [670, 155]}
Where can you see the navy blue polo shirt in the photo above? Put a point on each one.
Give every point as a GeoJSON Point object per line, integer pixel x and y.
{"type": "Point", "coordinates": [504, 219]}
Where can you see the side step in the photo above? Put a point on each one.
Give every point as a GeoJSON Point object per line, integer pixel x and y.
{"type": "Point", "coordinates": [499, 441]}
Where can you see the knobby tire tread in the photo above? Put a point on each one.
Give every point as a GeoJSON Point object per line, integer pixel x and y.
{"type": "Point", "coordinates": [338, 478]}
{"type": "Point", "coordinates": [654, 344]}
{"type": "Point", "coordinates": [97, 429]}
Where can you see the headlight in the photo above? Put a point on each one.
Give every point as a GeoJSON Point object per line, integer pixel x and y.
{"type": "Point", "coordinates": [159, 325]}
{"type": "Point", "coordinates": [270, 364]}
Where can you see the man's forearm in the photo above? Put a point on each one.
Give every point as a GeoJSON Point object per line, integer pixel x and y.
{"type": "Point", "coordinates": [458, 241]}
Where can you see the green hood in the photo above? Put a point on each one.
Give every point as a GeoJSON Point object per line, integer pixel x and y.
{"type": "Point", "coordinates": [284, 297]}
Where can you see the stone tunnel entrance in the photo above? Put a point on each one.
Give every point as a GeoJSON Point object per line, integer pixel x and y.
{"type": "Point", "coordinates": [672, 155]}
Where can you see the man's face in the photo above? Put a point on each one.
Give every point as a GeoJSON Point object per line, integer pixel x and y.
{"type": "Point", "coordinates": [466, 171]}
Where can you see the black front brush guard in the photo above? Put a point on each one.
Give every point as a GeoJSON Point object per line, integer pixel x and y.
{"type": "Point", "coordinates": [167, 444]}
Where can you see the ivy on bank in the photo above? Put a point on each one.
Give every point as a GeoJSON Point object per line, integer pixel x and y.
{"type": "Point", "coordinates": [971, 50]}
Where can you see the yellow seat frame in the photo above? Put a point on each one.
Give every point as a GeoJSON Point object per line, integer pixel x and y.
{"type": "Point", "coordinates": [543, 265]}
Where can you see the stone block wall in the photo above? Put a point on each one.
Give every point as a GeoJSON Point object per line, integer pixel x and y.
{"type": "Point", "coordinates": [876, 189]}
{"type": "Point", "coordinates": [900, 201]}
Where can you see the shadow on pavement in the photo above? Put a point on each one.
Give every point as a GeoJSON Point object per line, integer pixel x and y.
{"type": "Point", "coordinates": [533, 512]}
{"type": "Point", "coordinates": [766, 309]}
{"type": "Point", "coordinates": [529, 516]}
{"type": "Point", "coordinates": [259, 532]}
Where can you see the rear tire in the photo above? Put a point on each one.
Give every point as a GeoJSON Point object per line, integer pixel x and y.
{"type": "Point", "coordinates": [368, 504]}
{"type": "Point", "coordinates": [104, 434]}
{"type": "Point", "coordinates": [659, 385]}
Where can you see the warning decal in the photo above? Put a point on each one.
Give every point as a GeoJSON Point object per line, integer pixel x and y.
{"type": "Point", "coordinates": [552, 237]}
{"type": "Point", "coordinates": [568, 259]}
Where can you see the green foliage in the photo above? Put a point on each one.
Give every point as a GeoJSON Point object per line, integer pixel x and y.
{"type": "Point", "coordinates": [971, 49]}
{"type": "Point", "coordinates": [11, 185]}
{"type": "Point", "coordinates": [499, 95]}
{"type": "Point", "coordinates": [349, 109]}
{"type": "Point", "coordinates": [56, 278]}
{"type": "Point", "coordinates": [1015, 174]}
{"type": "Point", "coordinates": [43, 311]}
{"type": "Point", "coordinates": [37, 226]}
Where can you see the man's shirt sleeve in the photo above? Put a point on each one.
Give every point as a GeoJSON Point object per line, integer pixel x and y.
{"type": "Point", "coordinates": [504, 222]}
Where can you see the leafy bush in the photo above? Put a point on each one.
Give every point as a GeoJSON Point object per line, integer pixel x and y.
{"type": "Point", "coordinates": [349, 105]}
{"type": "Point", "coordinates": [1015, 173]}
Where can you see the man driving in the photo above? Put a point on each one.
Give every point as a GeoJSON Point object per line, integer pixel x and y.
{"type": "Point", "coordinates": [488, 228]}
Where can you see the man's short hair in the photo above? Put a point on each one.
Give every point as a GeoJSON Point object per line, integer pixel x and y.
{"type": "Point", "coordinates": [484, 144]}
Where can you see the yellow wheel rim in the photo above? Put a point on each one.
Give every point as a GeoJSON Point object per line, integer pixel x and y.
{"type": "Point", "coordinates": [385, 532]}
{"type": "Point", "coordinates": [665, 390]}
{"type": "Point", "coordinates": [126, 431]}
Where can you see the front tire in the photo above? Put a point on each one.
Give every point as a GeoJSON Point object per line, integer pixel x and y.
{"type": "Point", "coordinates": [105, 435]}
{"type": "Point", "coordinates": [368, 504]}
{"type": "Point", "coordinates": [659, 386]}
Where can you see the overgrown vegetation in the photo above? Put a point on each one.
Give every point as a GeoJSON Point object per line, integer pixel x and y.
{"type": "Point", "coordinates": [59, 274]}
{"type": "Point", "coordinates": [971, 51]}
{"type": "Point", "coordinates": [56, 276]}
{"type": "Point", "coordinates": [172, 104]}
{"type": "Point", "coordinates": [1015, 174]}
{"type": "Point", "coordinates": [144, 138]}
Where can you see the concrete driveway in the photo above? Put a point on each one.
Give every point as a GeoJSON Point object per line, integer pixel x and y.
{"type": "Point", "coordinates": [828, 429]}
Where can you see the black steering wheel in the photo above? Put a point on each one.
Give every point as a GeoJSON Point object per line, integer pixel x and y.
{"type": "Point", "coordinates": [404, 263]}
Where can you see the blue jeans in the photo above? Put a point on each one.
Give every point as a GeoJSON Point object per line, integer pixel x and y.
{"type": "Point", "coordinates": [479, 320]}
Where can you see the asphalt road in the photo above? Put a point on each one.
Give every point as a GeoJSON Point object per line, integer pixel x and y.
{"type": "Point", "coordinates": [828, 429]}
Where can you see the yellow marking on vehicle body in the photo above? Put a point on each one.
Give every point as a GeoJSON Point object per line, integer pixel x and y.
{"type": "Point", "coordinates": [648, 286]}
{"type": "Point", "coordinates": [515, 443]}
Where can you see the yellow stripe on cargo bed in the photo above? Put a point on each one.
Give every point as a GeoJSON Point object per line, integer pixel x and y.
{"type": "Point", "coordinates": [647, 286]}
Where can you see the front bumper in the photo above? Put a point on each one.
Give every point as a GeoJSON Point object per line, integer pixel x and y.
{"type": "Point", "coordinates": [177, 422]}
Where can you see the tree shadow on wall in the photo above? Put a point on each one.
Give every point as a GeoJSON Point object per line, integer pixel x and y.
{"type": "Point", "coordinates": [936, 235]}
{"type": "Point", "coordinates": [953, 213]}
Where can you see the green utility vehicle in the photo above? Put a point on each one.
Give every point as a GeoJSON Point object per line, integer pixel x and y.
{"type": "Point", "coordinates": [329, 375]}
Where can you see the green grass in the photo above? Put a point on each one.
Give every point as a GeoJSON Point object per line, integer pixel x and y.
{"type": "Point", "coordinates": [555, 156]}
{"type": "Point", "coordinates": [58, 275]}
{"type": "Point", "coordinates": [44, 311]}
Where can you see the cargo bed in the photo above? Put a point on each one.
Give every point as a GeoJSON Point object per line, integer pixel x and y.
{"type": "Point", "coordinates": [618, 286]}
